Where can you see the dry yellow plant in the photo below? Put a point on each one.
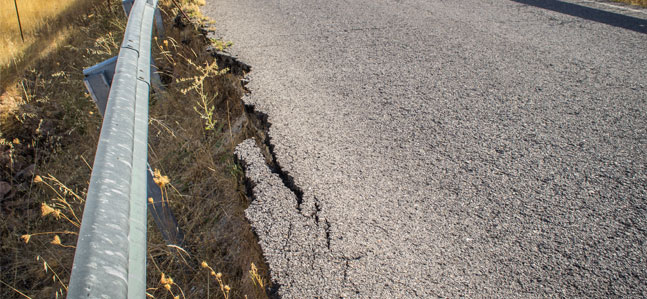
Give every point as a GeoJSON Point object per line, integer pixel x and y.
{"type": "Point", "coordinates": [256, 278]}
{"type": "Point", "coordinates": [224, 288]}
{"type": "Point", "coordinates": [634, 2]}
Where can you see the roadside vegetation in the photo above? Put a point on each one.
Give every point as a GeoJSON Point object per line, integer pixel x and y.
{"type": "Point", "coordinates": [49, 128]}
{"type": "Point", "coordinates": [44, 28]}
{"type": "Point", "coordinates": [634, 2]}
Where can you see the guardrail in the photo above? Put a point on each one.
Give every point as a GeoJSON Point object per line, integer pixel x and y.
{"type": "Point", "coordinates": [110, 257]}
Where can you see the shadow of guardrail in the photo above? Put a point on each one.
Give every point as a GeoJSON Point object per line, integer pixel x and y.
{"type": "Point", "coordinates": [592, 14]}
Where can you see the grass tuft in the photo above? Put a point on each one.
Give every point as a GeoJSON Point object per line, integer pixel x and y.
{"type": "Point", "coordinates": [642, 3]}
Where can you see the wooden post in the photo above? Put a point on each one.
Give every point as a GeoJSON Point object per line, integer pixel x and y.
{"type": "Point", "coordinates": [19, 25]}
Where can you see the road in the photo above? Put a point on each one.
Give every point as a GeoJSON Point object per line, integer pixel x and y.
{"type": "Point", "coordinates": [480, 148]}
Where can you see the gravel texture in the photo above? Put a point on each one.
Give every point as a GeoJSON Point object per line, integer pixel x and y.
{"type": "Point", "coordinates": [481, 148]}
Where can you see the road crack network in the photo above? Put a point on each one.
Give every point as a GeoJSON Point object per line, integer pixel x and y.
{"type": "Point", "coordinates": [290, 232]}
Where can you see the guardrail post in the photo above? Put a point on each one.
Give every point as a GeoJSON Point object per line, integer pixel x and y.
{"type": "Point", "coordinates": [128, 5]}
{"type": "Point", "coordinates": [98, 79]}
{"type": "Point", "coordinates": [162, 213]}
{"type": "Point", "coordinates": [156, 80]}
{"type": "Point", "coordinates": [159, 24]}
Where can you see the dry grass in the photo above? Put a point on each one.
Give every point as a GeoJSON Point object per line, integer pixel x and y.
{"type": "Point", "coordinates": [45, 25]}
{"type": "Point", "coordinates": [34, 14]}
{"type": "Point", "coordinates": [634, 2]}
{"type": "Point", "coordinates": [192, 137]}
{"type": "Point", "coordinates": [48, 125]}
{"type": "Point", "coordinates": [49, 128]}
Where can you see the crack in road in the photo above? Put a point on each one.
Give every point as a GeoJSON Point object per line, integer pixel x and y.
{"type": "Point", "coordinates": [488, 152]}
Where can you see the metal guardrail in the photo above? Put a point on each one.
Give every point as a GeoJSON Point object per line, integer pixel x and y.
{"type": "Point", "coordinates": [110, 258]}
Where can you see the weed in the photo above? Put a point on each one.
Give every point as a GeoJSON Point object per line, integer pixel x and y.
{"type": "Point", "coordinates": [256, 278]}
{"type": "Point", "coordinates": [168, 284]}
{"type": "Point", "coordinates": [219, 44]}
{"type": "Point", "coordinates": [205, 107]}
{"type": "Point", "coordinates": [55, 278]}
{"type": "Point", "coordinates": [224, 288]}
{"type": "Point", "coordinates": [634, 2]}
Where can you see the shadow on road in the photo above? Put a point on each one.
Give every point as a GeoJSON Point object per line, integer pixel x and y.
{"type": "Point", "coordinates": [597, 15]}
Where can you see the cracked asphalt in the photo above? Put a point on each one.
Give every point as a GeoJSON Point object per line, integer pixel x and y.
{"type": "Point", "coordinates": [480, 148]}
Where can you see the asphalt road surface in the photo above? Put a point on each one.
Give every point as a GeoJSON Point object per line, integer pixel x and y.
{"type": "Point", "coordinates": [480, 148]}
